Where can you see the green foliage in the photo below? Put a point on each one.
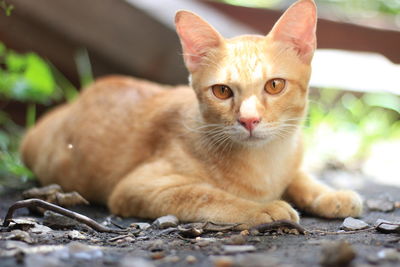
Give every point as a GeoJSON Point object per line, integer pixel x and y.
{"type": "Point", "coordinates": [84, 67]}
{"type": "Point", "coordinates": [26, 78]}
{"type": "Point", "coordinates": [11, 166]}
{"type": "Point", "coordinates": [347, 124]}
{"type": "Point", "coordinates": [6, 7]}
{"type": "Point", "coordinates": [30, 79]}
{"type": "Point", "coordinates": [367, 7]}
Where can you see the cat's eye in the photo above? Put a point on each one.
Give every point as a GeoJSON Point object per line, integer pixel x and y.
{"type": "Point", "coordinates": [275, 86]}
{"type": "Point", "coordinates": [222, 91]}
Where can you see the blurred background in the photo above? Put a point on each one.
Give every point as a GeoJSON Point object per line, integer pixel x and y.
{"type": "Point", "coordinates": [49, 49]}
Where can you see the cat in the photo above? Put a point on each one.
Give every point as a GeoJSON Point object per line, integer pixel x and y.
{"type": "Point", "coordinates": [227, 148]}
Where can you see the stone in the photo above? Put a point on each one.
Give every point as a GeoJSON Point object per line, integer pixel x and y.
{"type": "Point", "coordinates": [245, 232]}
{"type": "Point", "coordinates": [58, 221]}
{"type": "Point", "coordinates": [231, 249]}
{"type": "Point", "coordinates": [171, 259]}
{"type": "Point", "coordinates": [22, 223]}
{"type": "Point", "coordinates": [380, 205]}
{"type": "Point", "coordinates": [157, 255]}
{"type": "Point", "coordinates": [166, 222]}
{"type": "Point", "coordinates": [256, 260]}
{"type": "Point", "coordinates": [236, 240]}
{"type": "Point", "coordinates": [20, 236]}
{"type": "Point", "coordinates": [142, 225]}
{"type": "Point", "coordinates": [389, 254]}
{"type": "Point", "coordinates": [76, 235]}
{"type": "Point", "coordinates": [130, 261]}
{"type": "Point", "coordinates": [351, 224]}
{"type": "Point", "coordinates": [222, 261]}
{"type": "Point", "coordinates": [189, 231]}
{"type": "Point", "coordinates": [191, 259]}
{"type": "Point", "coordinates": [387, 227]}
{"type": "Point", "coordinates": [337, 253]}
{"type": "Point", "coordinates": [156, 245]}
{"type": "Point", "coordinates": [42, 192]}
{"type": "Point", "coordinates": [40, 229]}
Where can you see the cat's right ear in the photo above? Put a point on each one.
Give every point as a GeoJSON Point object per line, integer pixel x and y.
{"type": "Point", "coordinates": [197, 38]}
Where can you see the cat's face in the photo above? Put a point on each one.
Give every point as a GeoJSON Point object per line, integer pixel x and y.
{"type": "Point", "coordinates": [252, 89]}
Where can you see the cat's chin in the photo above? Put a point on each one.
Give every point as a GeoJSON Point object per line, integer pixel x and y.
{"type": "Point", "coordinates": [254, 141]}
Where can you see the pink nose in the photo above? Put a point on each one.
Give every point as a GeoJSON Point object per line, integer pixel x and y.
{"type": "Point", "coordinates": [249, 123]}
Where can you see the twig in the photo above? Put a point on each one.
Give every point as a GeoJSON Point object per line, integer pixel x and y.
{"type": "Point", "coordinates": [342, 233]}
{"type": "Point", "coordinates": [34, 202]}
{"type": "Point", "coordinates": [272, 226]}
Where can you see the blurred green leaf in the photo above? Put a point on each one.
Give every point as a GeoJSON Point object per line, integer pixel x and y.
{"type": "Point", "coordinates": [2, 49]}
{"type": "Point", "coordinates": [15, 62]}
{"type": "Point", "coordinates": [84, 67]}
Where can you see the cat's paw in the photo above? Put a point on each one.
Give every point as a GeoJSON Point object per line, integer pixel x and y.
{"type": "Point", "coordinates": [269, 212]}
{"type": "Point", "coordinates": [281, 210]}
{"type": "Point", "coordinates": [338, 204]}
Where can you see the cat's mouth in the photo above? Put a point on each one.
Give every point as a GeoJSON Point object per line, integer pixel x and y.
{"type": "Point", "coordinates": [252, 138]}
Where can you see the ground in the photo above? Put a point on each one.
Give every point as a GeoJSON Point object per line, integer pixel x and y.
{"type": "Point", "coordinates": [77, 244]}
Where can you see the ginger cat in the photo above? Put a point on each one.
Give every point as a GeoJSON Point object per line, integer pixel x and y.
{"type": "Point", "coordinates": [226, 149]}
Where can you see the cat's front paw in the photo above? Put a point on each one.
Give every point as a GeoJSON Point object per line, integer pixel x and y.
{"type": "Point", "coordinates": [269, 212]}
{"type": "Point", "coordinates": [281, 210]}
{"type": "Point", "coordinates": [338, 204]}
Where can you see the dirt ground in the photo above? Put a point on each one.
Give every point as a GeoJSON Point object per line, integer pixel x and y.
{"type": "Point", "coordinates": [78, 245]}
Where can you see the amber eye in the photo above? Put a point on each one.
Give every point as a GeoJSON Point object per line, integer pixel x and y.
{"type": "Point", "coordinates": [275, 86]}
{"type": "Point", "coordinates": [222, 91]}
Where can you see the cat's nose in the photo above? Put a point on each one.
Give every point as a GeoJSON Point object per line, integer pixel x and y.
{"type": "Point", "coordinates": [249, 123]}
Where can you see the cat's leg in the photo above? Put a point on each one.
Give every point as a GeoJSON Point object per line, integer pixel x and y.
{"type": "Point", "coordinates": [148, 196]}
{"type": "Point", "coordinates": [312, 196]}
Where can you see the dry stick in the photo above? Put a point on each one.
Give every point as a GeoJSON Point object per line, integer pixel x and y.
{"type": "Point", "coordinates": [342, 233]}
{"type": "Point", "coordinates": [34, 202]}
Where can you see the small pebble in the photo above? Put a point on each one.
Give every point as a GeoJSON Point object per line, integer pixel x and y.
{"type": "Point", "coordinates": [380, 205]}
{"type": "Point", "coordinates": [238, 249]}
{"type": "Point", "coordinates": [191, 259]}
{"type": "Point", "coordinates": [166, 222]}
{"type": "Point", "coordinates": [21, 236]}
{"type": "Point", "coordinates": [236, 240]}
{"type": "Point", "coordinates": [172, 259]}
{"type": "Point", "coordinates": [156, 245]}
{"type": "Point", "coordinates": [389, 254]}
{"type": "Point", "coordinates": [157, 255]}
{"type": "Point", "coordinates": [387, 227]}
{"type": "Point", "coordinates": [351, 224]}
{"type": "Point", "coordinates": [337, 253]}
{"type": "Point", "coordinates": [245, 232]}
{"type": "Point", "coordinates": [190, 232]}
{"type": "Point", "coordinates": [223, 261]}
{"type": "Point", "coordinates": [76, 235]}
{"type": "Point", "coordinates": [141, 225]}
{"type": "Point", "coordinates": [130, 261]}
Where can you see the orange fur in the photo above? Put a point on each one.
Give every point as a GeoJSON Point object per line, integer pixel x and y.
{"type": "Point", "coordinates": [148, 150]}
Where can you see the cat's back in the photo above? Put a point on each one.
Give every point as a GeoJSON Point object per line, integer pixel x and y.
{"type": "Point", "coordinates": [89, 144]}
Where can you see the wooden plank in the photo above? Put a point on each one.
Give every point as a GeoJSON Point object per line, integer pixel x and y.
{"type": "Point", "coordinates": [118, 37]}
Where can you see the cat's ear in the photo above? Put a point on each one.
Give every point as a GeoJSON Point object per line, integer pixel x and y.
{"type": "Point", "coordinates": [297, 27]}
{"type": "Point", "coordinates": [197, 38]}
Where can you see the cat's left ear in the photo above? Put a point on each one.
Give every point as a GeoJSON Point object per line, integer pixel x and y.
{"type": "Point", "coordinates": [297, 27]}
{"type": "Point", "coordinates": [197, 38]}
